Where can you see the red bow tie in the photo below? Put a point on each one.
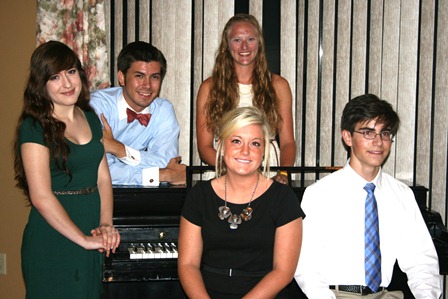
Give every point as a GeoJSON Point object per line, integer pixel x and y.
{"type": "Point", "coordinates": [142, 118]}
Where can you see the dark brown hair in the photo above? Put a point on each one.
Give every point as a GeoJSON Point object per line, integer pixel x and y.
{"type": "Point", "coordinates": [48, 59]}
{"type": "Point", "coordinates": [140, 51]}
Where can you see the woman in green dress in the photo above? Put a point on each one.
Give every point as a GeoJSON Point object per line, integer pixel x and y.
{"type": "Point", "coordinates": [60, 165]}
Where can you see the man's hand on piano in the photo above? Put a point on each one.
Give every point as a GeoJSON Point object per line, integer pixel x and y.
{"type": "Point", "coordinates": [281, 177]}
{"type": "Point", "coordinates": [174, 173]}
{"type": "Point", "coordinates": [110, 237]}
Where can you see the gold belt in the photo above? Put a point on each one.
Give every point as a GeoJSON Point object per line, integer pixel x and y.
{"type": "Point", "coordinates": [83, 191]}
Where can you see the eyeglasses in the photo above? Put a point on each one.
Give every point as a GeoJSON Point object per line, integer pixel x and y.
{"type": "Point", "coordinates": [370, 135]}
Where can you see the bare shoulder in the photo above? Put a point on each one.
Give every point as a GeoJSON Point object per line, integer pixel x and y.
{"type": "Point", "coordinates": [207, 83]}
{"type": "Point", "coordinates": [279, 82]}
{"type": "Point", "coordinates": [282, 88]}
{"type": "Point", "coordinates": [203, 91]}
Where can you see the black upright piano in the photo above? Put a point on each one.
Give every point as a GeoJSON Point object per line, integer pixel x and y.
{"type": "Point", "coordinates": [145, 264]}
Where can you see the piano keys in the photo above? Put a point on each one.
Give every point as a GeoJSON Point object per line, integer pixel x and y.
{"type": "Point", "coordinates": [152, 251]}
{"type": "Point", "coordinates": [147, 252]}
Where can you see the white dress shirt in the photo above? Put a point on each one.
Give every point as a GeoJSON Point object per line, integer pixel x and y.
{"type": "Point", "coordinates": [333, 236]}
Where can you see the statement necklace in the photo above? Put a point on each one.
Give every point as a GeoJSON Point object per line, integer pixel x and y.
{"type": "Point", "coordinates": [234, 219]}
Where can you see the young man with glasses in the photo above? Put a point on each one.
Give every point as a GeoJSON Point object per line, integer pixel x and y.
{"type": "Point", "coordinates": [360, 220]}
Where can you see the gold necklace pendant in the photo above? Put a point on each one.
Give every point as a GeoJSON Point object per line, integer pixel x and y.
{"type": "Point", "coordinates": [246, 214]}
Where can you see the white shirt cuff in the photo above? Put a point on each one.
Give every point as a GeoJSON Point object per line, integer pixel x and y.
{"type": "Point", "coordinates": [150, 176]}
{"type": "Point", "coordinates": [132, 157]}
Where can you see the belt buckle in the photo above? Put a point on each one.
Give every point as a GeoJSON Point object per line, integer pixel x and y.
{"type": "Point", "coordinates": [365, 290]}
{"type": "Point", "coordinates": [354, 289]}
{"type": "Point", "coordinates": [359, 289]}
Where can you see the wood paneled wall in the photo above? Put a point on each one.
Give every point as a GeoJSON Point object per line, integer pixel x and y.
{"type": "Point", "coordinates": [330, 51]}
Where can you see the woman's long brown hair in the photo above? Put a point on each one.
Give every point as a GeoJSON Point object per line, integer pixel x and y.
{"type": "Point", "coordinates": [224, 94]}
{"type": "Point", "coordinates": [47, 60]}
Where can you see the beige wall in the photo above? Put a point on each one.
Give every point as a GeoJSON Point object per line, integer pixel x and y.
{"type": "Point", "coordinates": [17, 42]}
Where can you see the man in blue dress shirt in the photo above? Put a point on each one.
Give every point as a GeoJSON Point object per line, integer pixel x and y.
{"type": "Point", "coordinates": [140, 129]}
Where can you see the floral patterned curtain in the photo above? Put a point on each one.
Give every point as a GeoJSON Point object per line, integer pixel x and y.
{"type": "Point", "coordinates": [80, 24]}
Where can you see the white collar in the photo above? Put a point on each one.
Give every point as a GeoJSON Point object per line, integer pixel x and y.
{"type": "Point", "coordinates": [361, 180]}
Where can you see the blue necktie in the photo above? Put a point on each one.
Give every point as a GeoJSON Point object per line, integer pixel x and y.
{"type": "Point", "coordinates": [372, 241]}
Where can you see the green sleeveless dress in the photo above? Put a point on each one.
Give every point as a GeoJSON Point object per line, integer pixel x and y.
{"type": "Point", "coordinates": [52, 265]}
